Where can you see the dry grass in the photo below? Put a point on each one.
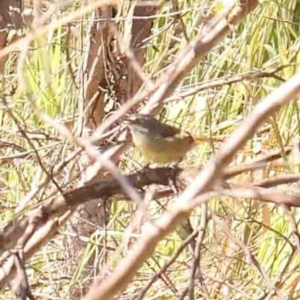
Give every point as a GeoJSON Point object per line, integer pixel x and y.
{"type": "Point", "coordinates": [267, 39]}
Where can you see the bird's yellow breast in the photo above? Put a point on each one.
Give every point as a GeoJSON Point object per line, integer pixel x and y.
{"type": "Point", "coordinates": [162, 149]}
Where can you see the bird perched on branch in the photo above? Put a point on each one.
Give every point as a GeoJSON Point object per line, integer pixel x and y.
{"type": "Point", "coordinates": [158, 142]}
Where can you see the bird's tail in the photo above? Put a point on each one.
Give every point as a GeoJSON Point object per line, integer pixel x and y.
{"type": "Point", "coordinates": [208, 139]}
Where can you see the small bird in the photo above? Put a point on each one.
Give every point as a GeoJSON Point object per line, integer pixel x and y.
{"type": "Point", "coordinates": [158, 142]}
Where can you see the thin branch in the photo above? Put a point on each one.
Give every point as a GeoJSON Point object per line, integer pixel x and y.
{"type": "Point", "coordinates": [20, 283]}
{"type": "Point", "coordinates": [255, 192]}
{"type": "Point", "coordinates": [197, 252]}
{"type": "Point", "coordinates": [143, 292]}
{"type": "Point", "coordinates": [248, 255]}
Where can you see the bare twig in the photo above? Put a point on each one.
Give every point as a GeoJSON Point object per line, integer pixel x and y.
{"type": "Point", "coordinates": [20, 283]}
{"type": "Point", "coordinates": [257, 192]}
{"type": "Point", "coordinates": [197, 253]}
{"type": "Point", "coordinates": [248, 255]}
{"type": "Point", "coordinates": [11, 114]}
{"type": "Point", "coordinates": [167, 265]}
{"type": "Point", "coordinates": [64, 20]}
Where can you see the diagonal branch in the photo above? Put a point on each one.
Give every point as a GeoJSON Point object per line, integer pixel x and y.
{"type": "Point", "coordinates": [187, 201]}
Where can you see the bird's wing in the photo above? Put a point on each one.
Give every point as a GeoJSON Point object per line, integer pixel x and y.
{"type": "Point", "coordinates": [167, 130]}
